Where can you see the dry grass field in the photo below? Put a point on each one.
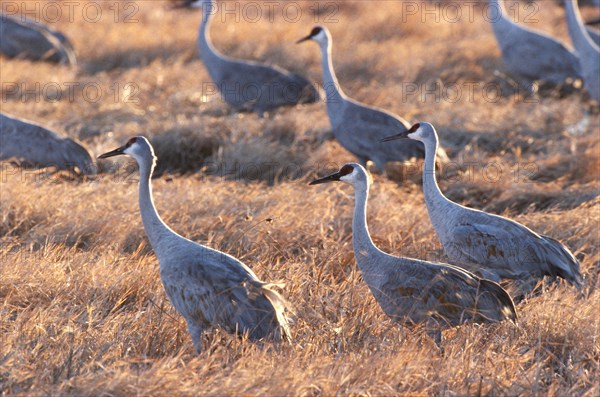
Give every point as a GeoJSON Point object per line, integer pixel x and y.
{"type": "Point", "coordinates": [82, 309]}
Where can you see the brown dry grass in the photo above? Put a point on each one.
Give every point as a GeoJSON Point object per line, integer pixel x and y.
{"type": "Point", "coordinates": [82, 310]}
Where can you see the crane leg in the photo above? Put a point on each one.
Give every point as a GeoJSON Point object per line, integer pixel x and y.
{"type": "Point", "coordinates": [196, 333]}
{"type": "Point", "coordinates": [432, 328]}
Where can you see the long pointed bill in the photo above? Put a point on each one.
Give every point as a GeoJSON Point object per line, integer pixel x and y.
{"type": "Point", "coordinates": [329, 178]}
{"type": "Point", "coordinates": [304, 39]}
{"type": "Point", "coordinates": [402, 135]}
{"type": "Point", "coordinates": [112, 153]}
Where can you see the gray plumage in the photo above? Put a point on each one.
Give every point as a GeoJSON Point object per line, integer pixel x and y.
{"type": "Point", "coordinates": [31, 40]}
{"type": "Point", "coordinates": [593, 32]}
{"type": "Point", "coordinates": [587, 51]}
{"type": "Point", "coordinates": [358, 127]}
{"type": "Point", "coordinates": [34, 146]}
{"type": "Point", "coordinates": [594, 35]}
{"type": "Point", "coordinates": [491, 245]}
{"type": "Point", "coordinates": [413, 291]}
{"type": "Point", "coordinates": [530, 55]}
{"type": "Point", "coordinates": [206, 286]}
{"type": "Point", "coordinates": [249, 85]}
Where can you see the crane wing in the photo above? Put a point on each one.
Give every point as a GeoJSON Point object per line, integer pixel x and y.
{"type": "Point", "coordinates": [446, 293]}
{"type": "Point", "coordinates": [504, 247]}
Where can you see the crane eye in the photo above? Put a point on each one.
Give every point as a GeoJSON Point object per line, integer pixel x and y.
{"type": "Point", "coordinates": [131, 141]}
{"type": "Point", "coordinates": [315, 31]}
{"type": "Point", "coordinates": [415, 127]}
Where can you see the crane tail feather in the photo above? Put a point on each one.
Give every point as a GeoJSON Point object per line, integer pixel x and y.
{"type": "Point", "coordinates": [508, 309]}
{"type": "Point", "coordinates": [281, 306]}
{"type": "Point", "coordinates": [563, 262]}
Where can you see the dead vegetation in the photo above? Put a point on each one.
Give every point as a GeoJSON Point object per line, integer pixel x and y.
{"type": "Point", "coordinates": [82, 310]}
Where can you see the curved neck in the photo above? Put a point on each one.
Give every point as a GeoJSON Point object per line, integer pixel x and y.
{"type": "Point", "coordinates": [330, 82]}
{"type": "Point", "coordinates": [431, 190]}
{"type": "Point", "coordinates": [364, 249]}
{"type": "Point", "coordinates": [207, 50]}
{"type": "Point", "coordinates": [500, 20]}
{"type": "Point", "coordinates": [499, 8]}
{"type": "Point", "coordinates": [155, 227]}
{"type": "Point", "coordinates": [579, 35]}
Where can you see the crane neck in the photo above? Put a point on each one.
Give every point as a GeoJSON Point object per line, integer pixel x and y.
{"type": "Point", "coordinates": [156, 229]}
{"type": "Point", "coordinates": [501, 22]}
{"type": "Point", "coordinates": [498, 6]}
{"type": "Point", "coordinates": [332, 87]}
{"type": "Point", "coordinates": [579, 35]}
{"type": "Point", "coordinates": [433, 195]}
{"type": "Point", "coordinates": [364, 249]}
{"type": "Point", "coordinates": [207, 50]}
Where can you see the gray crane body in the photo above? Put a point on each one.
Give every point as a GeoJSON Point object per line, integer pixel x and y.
{"type": "Point", "coordinates": [34, 146]}
{"type": "Point", "coordinates": [587, 51]}
{"type": "Point", "coordinates": [34, 41]}
{"type": "Point", "coordinates": [358, 127]}
{"type": "Point", "coordinates": [206, 286]}
{"type": "Point", "coordinates": [412, 291]}
{"type": "Point", "coordinates": [531, 55]}
{"type": "Point", "coordinates": [488, 244]}
{"type": "Point", "coordinates": [249, 85]}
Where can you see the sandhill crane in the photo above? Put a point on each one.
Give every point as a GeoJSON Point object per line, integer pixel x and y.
{"type": "Point", "coordinates": [530, 55]}
{"type": "Point", "coordinates": [244, 84]}
{"type": "Point", "coordinates": [358, 127]}
{"type": "Point", "coordinates": [494, 246]}
{"type": "Point", "coordinates": [587, 51]}
{"type": "Point", "coordinates": [414, 291]}
{"type": "Point", "coordinates": [32, 145]}
{"type": "Point", "coordinates": [206, 286]}
{"type": "Point", "coordinates": [31, 40]}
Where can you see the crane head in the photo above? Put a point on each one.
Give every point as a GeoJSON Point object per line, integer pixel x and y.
{"type": "Point", "coordinates": [410, 133]}
{"type": "Point", "coordinates": [120, 150]}
{"type": "Point", "coordinates": [318, 34]}
{"type": "Point", "coordinates": [137, 147]}
{"type": "Point", "coordinates": [350, 173]}
{"type": "Point", "coordinates": [188, 4]}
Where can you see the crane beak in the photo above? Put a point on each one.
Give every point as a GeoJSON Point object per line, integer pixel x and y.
{"type": "Point", "coordinates": [304, 39]}
{"type": "Point", "coordinates": [112, 153]}
{"type": "Point", "coordinates": [329, 178]}
{"type": "Point", "coordinates": [402, 135]}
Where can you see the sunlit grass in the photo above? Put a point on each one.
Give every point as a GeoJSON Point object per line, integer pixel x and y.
{"type": "Point", "coordinates": [82, 309]}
